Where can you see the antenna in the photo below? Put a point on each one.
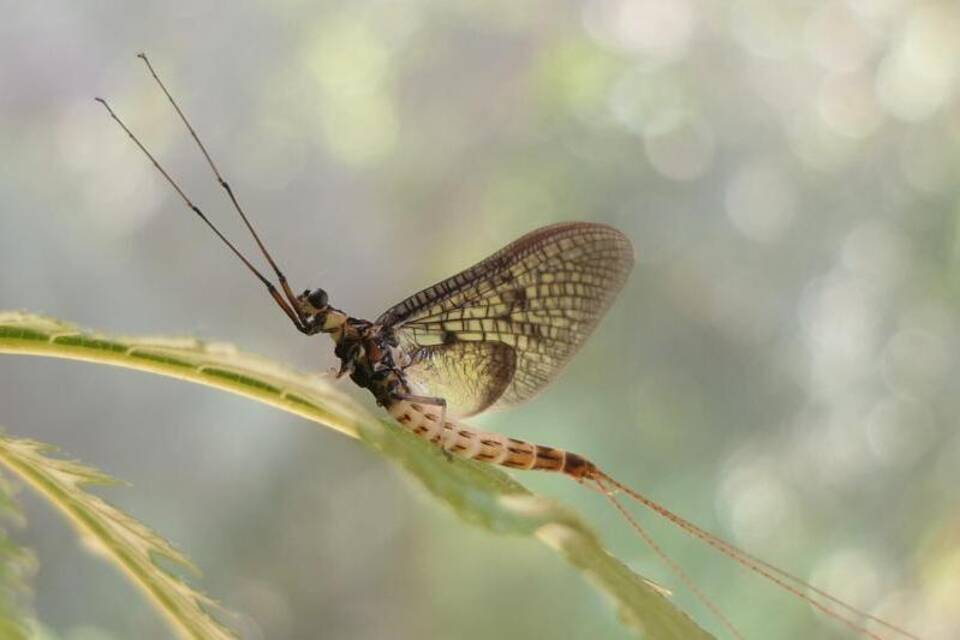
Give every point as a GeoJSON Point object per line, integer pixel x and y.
{"type": "Point", "coordinates": [288, 304]}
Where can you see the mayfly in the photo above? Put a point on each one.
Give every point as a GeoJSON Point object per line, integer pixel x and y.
{"type": "Point", "coordinates": [493, 336]}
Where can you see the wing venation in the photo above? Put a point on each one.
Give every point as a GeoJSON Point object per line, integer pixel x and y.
{"type": "Point", "coordinates": [470, 376]}
{"type": "Point", "coordinates": [539, 297]}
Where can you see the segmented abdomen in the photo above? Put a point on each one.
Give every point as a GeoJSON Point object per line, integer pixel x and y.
{"type": "Point", "coordinates": [464, 441]}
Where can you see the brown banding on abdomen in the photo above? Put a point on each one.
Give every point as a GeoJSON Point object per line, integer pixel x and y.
{"type": "Point", "coordinates": [578, 467]}
{"type": "Point", "coordinates": [465, 442]}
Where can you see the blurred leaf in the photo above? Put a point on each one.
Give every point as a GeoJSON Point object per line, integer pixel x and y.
{"type": "Point", "coordinates": [16, 564]}
{"type": "Point", "coordinates": [124, 541]}
{"type": "Point", "coordinates": [575, 75]}
{"type": "Point", "coordinates": [479, 493]}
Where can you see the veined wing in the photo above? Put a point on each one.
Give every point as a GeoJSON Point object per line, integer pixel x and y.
{"type": "Point", "coordinates": [470, 376]}
{"type": "Point", "coordinates": [537, 299]}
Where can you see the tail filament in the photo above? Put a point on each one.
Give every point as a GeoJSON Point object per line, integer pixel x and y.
{"type": "Point", "coordinates": [786, 581]}
{"type": "Point", "coordinates": [667, 560]}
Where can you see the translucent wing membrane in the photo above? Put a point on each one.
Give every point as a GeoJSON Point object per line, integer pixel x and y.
{"type": "Point", "coordinates": [537, 299]}
{"type": "Point", "coordinates": [470, 376]}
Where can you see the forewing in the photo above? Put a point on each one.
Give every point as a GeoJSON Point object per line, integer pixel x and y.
{"type": "Point", "coordinates": [540, 296]}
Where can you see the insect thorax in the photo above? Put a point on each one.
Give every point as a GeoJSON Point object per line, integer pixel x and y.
{"type": "Point", "coordinates": [369, 353]}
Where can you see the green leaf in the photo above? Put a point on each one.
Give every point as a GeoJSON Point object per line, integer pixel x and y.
{"type": "Point", "coordinates": [16, 564]}
{"type": "Point", "coordinates": [125, 541]}
{"type": "Point", "coordinates": [479, 493]}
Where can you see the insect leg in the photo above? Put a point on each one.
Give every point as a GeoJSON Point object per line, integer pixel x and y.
{"type": "Point", "coordinates": [291, 299]}
{"type": "Point", "coordinates": [289, 308]}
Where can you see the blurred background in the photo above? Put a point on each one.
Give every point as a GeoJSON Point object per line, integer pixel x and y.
{"type": "Point", "coordinates": [781, 367]}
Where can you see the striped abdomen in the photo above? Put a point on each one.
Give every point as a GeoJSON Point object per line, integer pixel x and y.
{"type": "Point", "coordinates": [464, 441]}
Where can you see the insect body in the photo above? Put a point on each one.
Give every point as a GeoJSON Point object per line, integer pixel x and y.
{"type": "Point", "coordinates": [492, 336]}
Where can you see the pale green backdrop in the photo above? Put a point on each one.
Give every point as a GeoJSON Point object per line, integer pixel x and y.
{"type": "Point", "coordinates": [781, 367]}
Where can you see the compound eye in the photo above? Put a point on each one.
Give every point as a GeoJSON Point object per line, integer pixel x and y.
{"type": "Point", "coordinates": [317, 298]}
